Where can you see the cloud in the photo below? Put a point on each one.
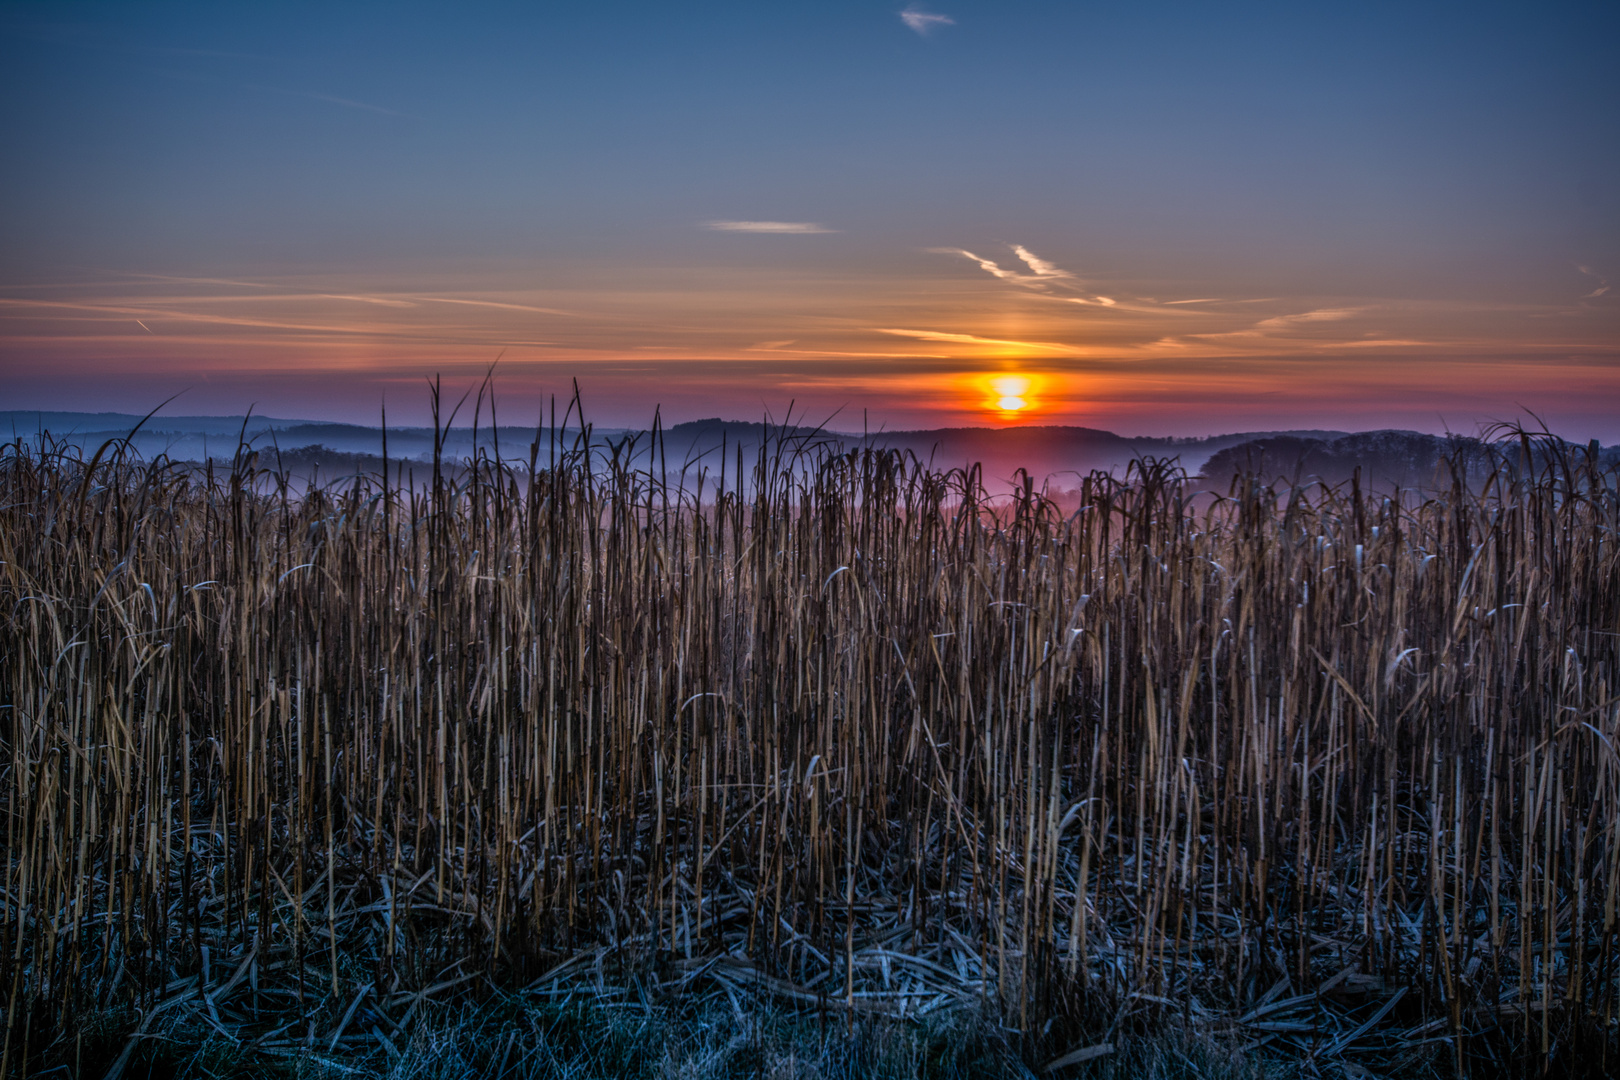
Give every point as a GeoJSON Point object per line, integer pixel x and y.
{"type": "Point", "coordinates": [987, 265]}
{"type": "Point", "coordinates": [1220, 300]}
{"type": "Point", "coordinates": [1603, 283]}
{"type": "Point", "coordinates": [1384, 343]}
{"type": "Point", "coordinates": [191, 280]}
{"type": "Point", "coordinates": [378, 300]}
{"type": "Point", "coordinates": [1051, 282]}
{"type": "Point", "coordinates": [494, 304]}
{"type": "Point", "coordinates": [924, 21]}
{"type": "Point", "coordinates": [971, 339]}
{"type": "Point", "coordinates": [1043, 274]}
{"type": "Point", "coordinates": [1040, 266]}
{"type": "Point", "coordinates": [171, 314]}
{"type": "Point", "coordinates": [1285, 322]}
{"type": "Point", "coordinates": [1281, 325]}
{"type": "Point", "coordinates": [795, 228]}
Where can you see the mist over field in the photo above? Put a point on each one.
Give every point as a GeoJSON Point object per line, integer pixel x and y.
{"type": "Point", "coordinates": [1054, 457]}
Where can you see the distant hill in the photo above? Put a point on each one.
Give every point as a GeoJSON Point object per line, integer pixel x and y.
{"type": "Point", "coordinates": [1406, 458]}
{"type": "Point", "coordinates": [1057, 451]}
{"type": "Point", "coordinates": [1051, 454]}
{"type": "Point", "coordinates": [198, 438]}
{"type": "Point", "coordinates": [1044, 451]}
{"type": "Point", "coordinates": [16, 422]}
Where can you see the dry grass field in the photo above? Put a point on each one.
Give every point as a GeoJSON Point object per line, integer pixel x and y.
{"type": "Point", "coordinates": [1318, 775]}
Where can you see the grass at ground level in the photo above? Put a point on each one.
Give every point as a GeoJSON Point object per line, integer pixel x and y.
{"type": "Point", "coordinates": [511, 1037]}
{"type": "Point", "coordinates": [577, 1041]}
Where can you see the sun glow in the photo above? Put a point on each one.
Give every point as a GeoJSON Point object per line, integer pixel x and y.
{"type": "Point", "coordinates": [1010, 394]}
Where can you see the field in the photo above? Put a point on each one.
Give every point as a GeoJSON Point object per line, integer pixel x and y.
{"type": "Point", "coordinates": [1325, 776]}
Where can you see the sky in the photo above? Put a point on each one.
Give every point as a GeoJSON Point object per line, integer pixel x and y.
{"type": "Point", "coordinates": [1150, 217]}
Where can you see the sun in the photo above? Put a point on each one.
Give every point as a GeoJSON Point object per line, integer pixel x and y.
{"type": "Point", "coordinates": [1011, 393]}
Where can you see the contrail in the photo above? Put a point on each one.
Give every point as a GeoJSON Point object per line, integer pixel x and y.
{"type": "Point", "coordinates": [143, 326]}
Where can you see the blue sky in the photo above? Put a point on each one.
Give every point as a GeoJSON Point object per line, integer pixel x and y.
{"type": "Point", "coordinates": [1322, 214]}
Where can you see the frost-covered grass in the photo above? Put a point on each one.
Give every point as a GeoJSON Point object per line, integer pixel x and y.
{"type": "Point", "coordinates": [510, 1038]}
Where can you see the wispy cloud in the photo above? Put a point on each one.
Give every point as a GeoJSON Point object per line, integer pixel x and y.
{"type": "Point", "coordinates": [378, 300]}
{"type": "Point", "coordinates": [1043, 274]}
{"type": "Point", "coordinates": [1603, 282]}
{"type": "Point", "coordinates": [494, 304]}
{"type": "Point", "coordinates": [1281, 326]}
{"type": "Point", "coordinates": [1219, 300]}
{"type": "Point", "coordinates": [988, 266]}
{"type": "Point", "coordinates": [973, 339]}
{"type": "Point", "coordinates": [1039, 266]}
{"type": "Point", "coordinates": [795, 228]}
{"type": "Point", "coordinates": [189, 280]}
{"type": "Point", "coordinates": [100, 313]}
{"type": "Point", "coordinates": [1279, 323]}
{"type": "Point", "coordinates": [1384, 343]}
{"type": "Point", "coordinates": [924, 22]}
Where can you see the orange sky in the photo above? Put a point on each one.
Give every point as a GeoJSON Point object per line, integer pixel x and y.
{"type": "Point", "coordinates": [1172, 218]}
{"type": "Point", "coordinates": [917, 347]}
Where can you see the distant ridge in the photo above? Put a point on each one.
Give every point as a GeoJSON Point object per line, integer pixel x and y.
{"type": "Point", "coordinates": [1055, 453]}
{"type": "Point", "coordinates": [15, 422]}
{"type": "Point", "coordinates": [1383, 457]}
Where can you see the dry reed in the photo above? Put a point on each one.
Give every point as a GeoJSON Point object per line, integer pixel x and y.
{"type": "Point", "coordinates": [1319, 768]}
